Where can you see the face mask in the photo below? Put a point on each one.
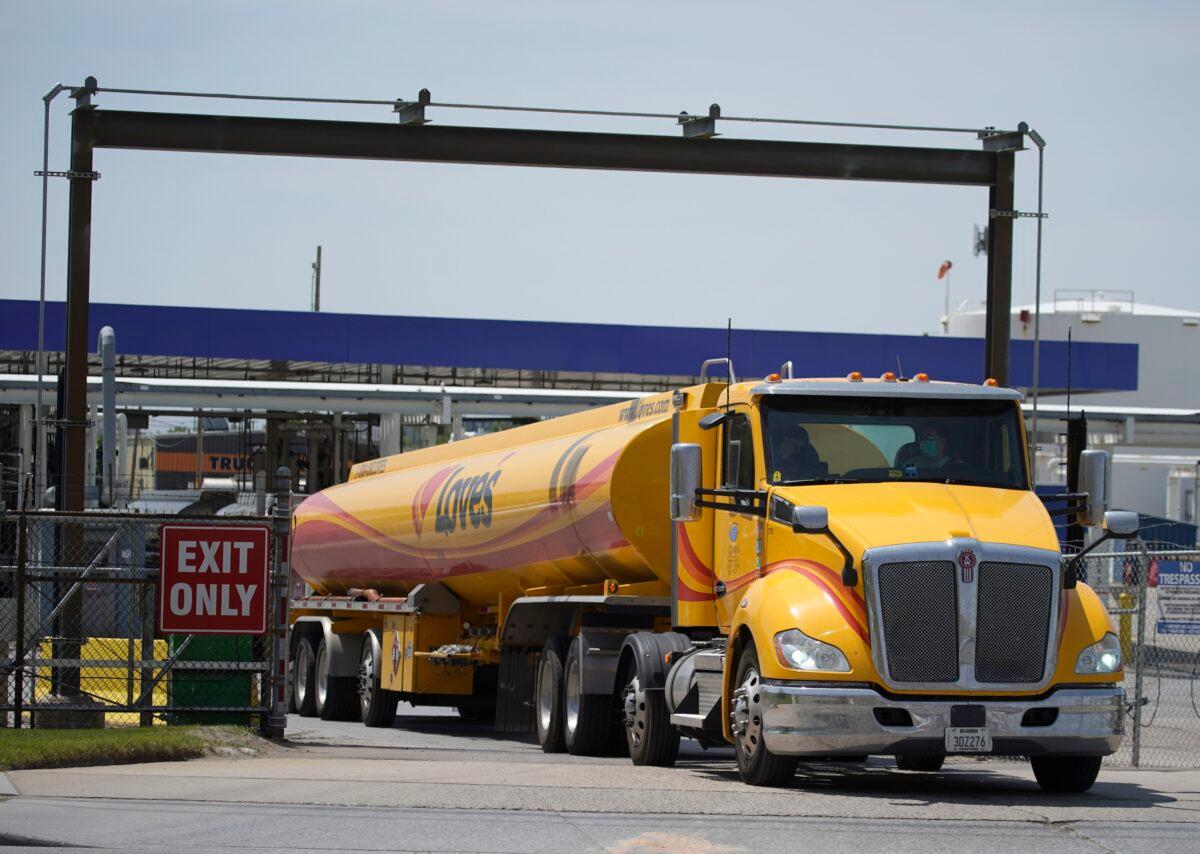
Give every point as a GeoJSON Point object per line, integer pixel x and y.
{"type": "Point", "coordinates": [929, 447]}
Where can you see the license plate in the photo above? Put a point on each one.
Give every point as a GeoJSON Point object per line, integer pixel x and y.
{"type": "Point", "coordinates": [968, 739]}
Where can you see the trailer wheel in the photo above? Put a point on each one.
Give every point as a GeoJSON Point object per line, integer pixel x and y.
{"type": "Point", "coordinates": [378, 706]}
{"type": "Point", "coordinates": [548, 697]}
{"type": "Point", "coordinates": [1065, 773]}
{"type": "Point", "coordinates": [908, 762]}
{"type": "Point", "coordinates": [337, 696]}
{"type": "Point", "coordinates": [586, 717]}
{"type": "Point", "coordinates": [756, 764]}
{"type": "Point", "coordinates": [304, 679]}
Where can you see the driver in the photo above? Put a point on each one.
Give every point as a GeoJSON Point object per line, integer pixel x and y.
{"type": "Point", "coordinates": [795, 457]}
{"type": "Point", "coordinates": [931, 443]}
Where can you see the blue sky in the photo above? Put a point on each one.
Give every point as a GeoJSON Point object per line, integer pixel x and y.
{"type": "Point", "coordinates": [1112, 87]}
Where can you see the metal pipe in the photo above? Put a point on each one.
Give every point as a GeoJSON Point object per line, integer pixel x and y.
{"type": "Point", "coordinates": [108, 379]}
{"type": "Point", "coordinates": [1037, 301]}
{"type": "Point", "coordinates": [39, 480]}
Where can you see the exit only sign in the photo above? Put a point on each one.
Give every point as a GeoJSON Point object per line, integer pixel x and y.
{"type": "Point", "coordinates": [213, 580]}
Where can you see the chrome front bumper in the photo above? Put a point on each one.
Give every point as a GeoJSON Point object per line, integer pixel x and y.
{"type": "Point", "coordinates": [819, 720]}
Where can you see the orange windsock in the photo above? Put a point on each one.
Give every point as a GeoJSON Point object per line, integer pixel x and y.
{"type": "Point", "coordinates": [944, 269]}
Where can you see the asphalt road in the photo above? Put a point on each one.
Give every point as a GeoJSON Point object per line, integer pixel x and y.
{"type": "Point", "coordinates": [437, 783]}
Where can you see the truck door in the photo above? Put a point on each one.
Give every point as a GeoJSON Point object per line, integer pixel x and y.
{"type": "Point", "coordinates": [737, 533]}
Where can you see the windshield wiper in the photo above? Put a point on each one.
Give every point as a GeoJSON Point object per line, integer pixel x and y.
{"type": "Point", "coordinates": [811, 481]}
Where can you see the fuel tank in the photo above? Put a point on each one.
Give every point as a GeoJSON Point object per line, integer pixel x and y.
{"type": "Point", "coordinates": [571, 501]}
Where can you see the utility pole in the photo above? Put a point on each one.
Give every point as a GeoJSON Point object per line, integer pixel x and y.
{"type": "Point", "coordinates": [316, 295]}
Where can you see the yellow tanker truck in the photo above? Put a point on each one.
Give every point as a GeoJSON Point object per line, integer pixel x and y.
{"type": "Point", "coordinates": [804, 568]}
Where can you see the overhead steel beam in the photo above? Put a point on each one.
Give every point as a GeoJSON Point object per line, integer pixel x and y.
{"type": "Point", "coordinates": [563, 149]}
{"type": "Point", "coordinates": [94, 128]}
{"type": "Point", "coordinates": [999, 270]}
{"type": "Point", "coordinates": [73, 435]}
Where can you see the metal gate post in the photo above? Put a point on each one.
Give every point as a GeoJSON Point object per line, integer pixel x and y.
{"type": "Point", "coordinates": [19, 670]}
{"type": "Point", "coordinates": [1138, 679]}
{"type": "Point", "coordinates": [275, 722]}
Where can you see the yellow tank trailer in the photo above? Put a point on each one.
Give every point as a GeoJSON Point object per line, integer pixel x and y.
{"type": "Point", "coordinates": [803, 568]}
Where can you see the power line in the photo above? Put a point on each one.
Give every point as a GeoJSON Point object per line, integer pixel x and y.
{"type": "Point", "coordinates": [565, 111]}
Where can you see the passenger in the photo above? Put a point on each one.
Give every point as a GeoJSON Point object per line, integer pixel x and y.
{"type": "Point", "coordinates": [931, 442]}
{"type": "Point", "coordinates": [796, 458]}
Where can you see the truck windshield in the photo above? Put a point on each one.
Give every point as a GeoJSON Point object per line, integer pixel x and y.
{"type": "Point", "coordinates": [853, 440]}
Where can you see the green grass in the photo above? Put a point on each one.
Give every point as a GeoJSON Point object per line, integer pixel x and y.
{"type": "Point", "coordinates": [63, 748]}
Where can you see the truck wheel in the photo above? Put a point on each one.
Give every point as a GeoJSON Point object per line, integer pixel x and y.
{"type": "Point", "coordinates": [651, 738]}
{"type": "Point", "coordinates": [548, 697]}
{"type": "Point", "coordinates": [756, 765]}
{"type": "Point", "coordinates": [586, 717]}
{"type": "Point", "coordinates": [1065, 773]}
{"type": "Point", "coordinates": [304, 679]}
{"type": "Point", "coordinates": [479, 709]}
{"type": "Point", "coordinates": [481, 705]}
{"type": "Point", "coordinates": [377, 706]}
{"type": "Point", "coordinates": [908, 762]}
{"type": "Point", "coordinates": [337, 697]}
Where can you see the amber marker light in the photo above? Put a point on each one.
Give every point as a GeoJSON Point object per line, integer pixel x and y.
{"type": "Point", "coordinates": [888, 377]}
{"type": "Point", "coordinates": [854, 376]}
{"type": "Point", "coordinates": [922, 377]}
{"type": "Point", "coordinates": [991, 381]}
{"type": "Point", "coordinates": [772, 378]}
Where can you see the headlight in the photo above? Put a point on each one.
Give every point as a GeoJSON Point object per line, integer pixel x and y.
{"type": "Point", "coordinates": [1103, 656]}
{"type": "Point", "coordinates": [798, 651]}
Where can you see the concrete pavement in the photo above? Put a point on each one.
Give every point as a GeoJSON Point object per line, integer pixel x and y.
{"type": "Point", "coordinates": [438, 783]}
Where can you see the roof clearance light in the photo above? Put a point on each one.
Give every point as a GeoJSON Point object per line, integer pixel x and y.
{"type": "Point", "coordinates": [772, 378]}
{"type": "Point", "coordinates": [888, 377]}
{"type": "Point", "coordinates": [991, 381]}
{"type": "Point", "coordinates": [922, 378]}
{"type": "Point", "coordinates": [854, 376]}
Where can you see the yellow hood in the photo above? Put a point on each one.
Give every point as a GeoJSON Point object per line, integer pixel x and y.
{"type": "Point", "coordinates": [870, 515]}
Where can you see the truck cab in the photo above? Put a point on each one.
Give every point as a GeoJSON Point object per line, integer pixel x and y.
{"type": "Point", "coordinates": [881, 579]}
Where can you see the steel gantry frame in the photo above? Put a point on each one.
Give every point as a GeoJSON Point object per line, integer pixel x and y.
{"type": "Point", "coordinates": [695, 153]}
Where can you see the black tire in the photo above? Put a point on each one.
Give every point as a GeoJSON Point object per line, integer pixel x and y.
{"type": "Point", "coordinates": [756, 765]}
{"type": "Point", "coordinates": [908, 762]}
{"type": "Point", "coordinates": [304, 678]}
{"type": "Point", "coordinates": [377, 707]}
{"type": "Point", "coordinates": [336, 696]}
{"type": "Point", "coordinates": [1065, 773]}
{"type": "Point", "coordinates": [481, 705]}
{"type": "Point", "coordinates": [548, 696]}
{"type": "Point", "coordinates": [649, 735]}
{"type": "Point", "coordinates": [586, 717]}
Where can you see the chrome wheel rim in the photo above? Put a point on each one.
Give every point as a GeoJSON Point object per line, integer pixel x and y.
{"type": "Point", "coordinates": [545, 695]}
{"type": "Point", "coordinates": [745, 718]}
{"type": "Point", "coordinates": [322, 676]}
{"type": "Point", "coordinates": [301, 674]}
{"type": "Point", "coordinates": [636, 715]}
{"type": "Point", "coordinates": [366, 676]}
{"type": "Point", "coordinates": [572, 695]}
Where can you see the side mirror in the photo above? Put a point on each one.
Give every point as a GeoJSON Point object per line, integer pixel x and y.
{"type": "Point", "coordinates": [814, 519]}
{"type": "Point", "coordinates": [1121, 524]}
{"type": "Point", "coordinates": [685, 480]}
{"type": "Point", "coordinates": [1093, 479]}
{"type": "Point", "coordinates": [1118, 525]}
{"type": "Point", "coordinates": [810, 519]}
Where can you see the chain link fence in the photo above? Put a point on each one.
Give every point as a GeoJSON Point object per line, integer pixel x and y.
{"type": "Point", "coordinates": [80, 644]}
{"type": "Point", "coordinates": [1153, 592]}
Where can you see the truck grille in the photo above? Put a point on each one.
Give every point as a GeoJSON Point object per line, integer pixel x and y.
{"type": "Point", "coordinates": [919, 612]}
{"type": "Point", "coordinates": [1013, 622]}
